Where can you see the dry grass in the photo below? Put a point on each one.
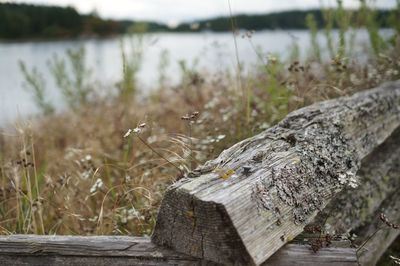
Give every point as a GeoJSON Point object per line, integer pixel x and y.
{"type": "Point", "coordinates": [75, 173]}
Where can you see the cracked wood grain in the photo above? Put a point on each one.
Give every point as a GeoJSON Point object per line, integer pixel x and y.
{"type": "Point", "coordinates": [92, 250]}
{"type": "Point", "coordinates": [125, 250]}
{"type": "Point", "coordinates": [296, 168]}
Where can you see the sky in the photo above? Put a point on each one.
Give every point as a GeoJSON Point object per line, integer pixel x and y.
{"type": "Point", "coordinates": [175, 11]}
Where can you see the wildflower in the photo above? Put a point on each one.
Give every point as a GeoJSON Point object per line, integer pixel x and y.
{"type": "Point", "coordinates": [133, 213]}
{"type": "Point", "coordinates": [220, 137]}
{"type": "Point", "coordinates": [385, 220]}
{"type": "Point", "coordinates": [86, 174]}
{"type": "Point", "coordinates": [272, 58]}
{"type": "Point", "coordinates": [136, 130]}
{"type": "Point", "coordinates": [190, 117]}
{"type": "Point", "coordinates": [93, 219]}
{"type": "Point", "coordinates": [128, 133]}
{"type": "Point", "coordinates": [97, 185]}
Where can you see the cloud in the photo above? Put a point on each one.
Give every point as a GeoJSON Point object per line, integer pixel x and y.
{"type": "Point", "coordinates": [181, 10]}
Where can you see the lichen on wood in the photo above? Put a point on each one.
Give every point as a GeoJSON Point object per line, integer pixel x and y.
{"type": "Point", "coordinates": [379, 178]}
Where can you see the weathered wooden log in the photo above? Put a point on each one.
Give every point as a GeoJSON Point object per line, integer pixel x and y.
{"type": "Point", "coordinates": [243, 206]}
{"type": "Point", "coordinates": [124, 250]}
{"type": "Point", "coordinates": [379, 178]}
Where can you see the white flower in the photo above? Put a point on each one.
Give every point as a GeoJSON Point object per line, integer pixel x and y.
{"type": "Point", "coordinates": [221, 137]}
{"type": "Point", "coordinates": [137, 130]}
{"type": "Point", "coordinates": [94, 219]}
{"type": "Point", "coordinates": [133, 213]}
{"type": "Point", "coordinates": [88, 157]}
{"type": "Point", "coordinates": [128, 133]}
{"type": "Point", "coordinates": [85, 175]}
{"type": "Point", "coordinates": [97, 185]}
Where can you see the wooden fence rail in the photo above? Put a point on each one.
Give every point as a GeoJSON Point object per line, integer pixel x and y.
{"type": "Point", "coordinates": [124, 250]}
{"type": "Point", "coordinates": [338, 159]}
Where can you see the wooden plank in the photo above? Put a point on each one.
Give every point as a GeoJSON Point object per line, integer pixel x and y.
{"type": "Point", "coordinates": [125, 250]}
{"type": "Point", "coordinates": [259, 194]}
{"type": "Point", "coordinates": [92, 250]}
{"type": "Point", "coordinates": [294, 254]}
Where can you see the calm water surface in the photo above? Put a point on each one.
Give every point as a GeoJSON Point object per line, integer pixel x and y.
{"type": "Point", "coordinates": [215, 51]}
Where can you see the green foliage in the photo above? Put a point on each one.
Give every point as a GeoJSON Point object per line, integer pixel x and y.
{"type": "Point", "coordinates": [368, 18]}
{"type": "Point", "coordinates": [343, 22]}
{"type": "Point", "coordinates": [73, 82]}
{"type": "Point", "coordinates": [312, 25]}
{"type": "Point", "coordinates": [277, 105]}
{"type": "Point", "coordinates": [189, 74]}
{"type": "Point", "coordinates": [394, 21]}
{"type": "Point", "coordinates": [328, 16]}
{"type": "Point", "coordinates": [162, 68]}
{"type": "Point", "coordinates": [35, 83]}
{"type": "Point", "coordinates": [132, 59]}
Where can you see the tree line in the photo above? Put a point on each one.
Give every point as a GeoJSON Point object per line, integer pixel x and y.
{"type": "Point", "coordinates": [19, 21]}
{"type": "Point", "coordinates": [294, 19]}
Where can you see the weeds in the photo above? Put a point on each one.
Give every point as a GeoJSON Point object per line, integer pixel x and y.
{"type": "Point", "coordinates": [73, 82]}
{"type": "Point", "coordinates": [35, 81]}
{"type": "Point", "coordinates": [132, 60]}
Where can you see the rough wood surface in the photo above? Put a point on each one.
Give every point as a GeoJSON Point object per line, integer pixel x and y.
{"type": "Point", "coordinates": [379, 178]}
{"type": "Point", "coordinates": [293, 254]}
{"type": "Point", "coordinates": [259, 194]}
{"type": "Point", "coordinates": [124, 250]}
{"type": "Point", "coordinates": [93, 250]}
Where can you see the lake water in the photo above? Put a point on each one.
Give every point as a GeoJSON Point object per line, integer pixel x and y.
{"type": "Point", "coordinates": [215, 51]}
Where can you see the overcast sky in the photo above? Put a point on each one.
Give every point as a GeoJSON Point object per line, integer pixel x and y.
{"type": "Point", "coordinates": [173, 11]}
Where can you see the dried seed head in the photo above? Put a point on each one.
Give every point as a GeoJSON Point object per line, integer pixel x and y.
{"type": "Point", "coordinates": [190, 117]}
{"type": "Point", "coordinates": [128, 133]}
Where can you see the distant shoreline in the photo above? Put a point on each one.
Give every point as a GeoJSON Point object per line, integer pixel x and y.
{"type": "Point", "coordinates": [23, 22]}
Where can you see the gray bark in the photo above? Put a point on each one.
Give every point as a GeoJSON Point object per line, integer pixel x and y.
{"type": "Point", "coordinates": [281, 179]}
